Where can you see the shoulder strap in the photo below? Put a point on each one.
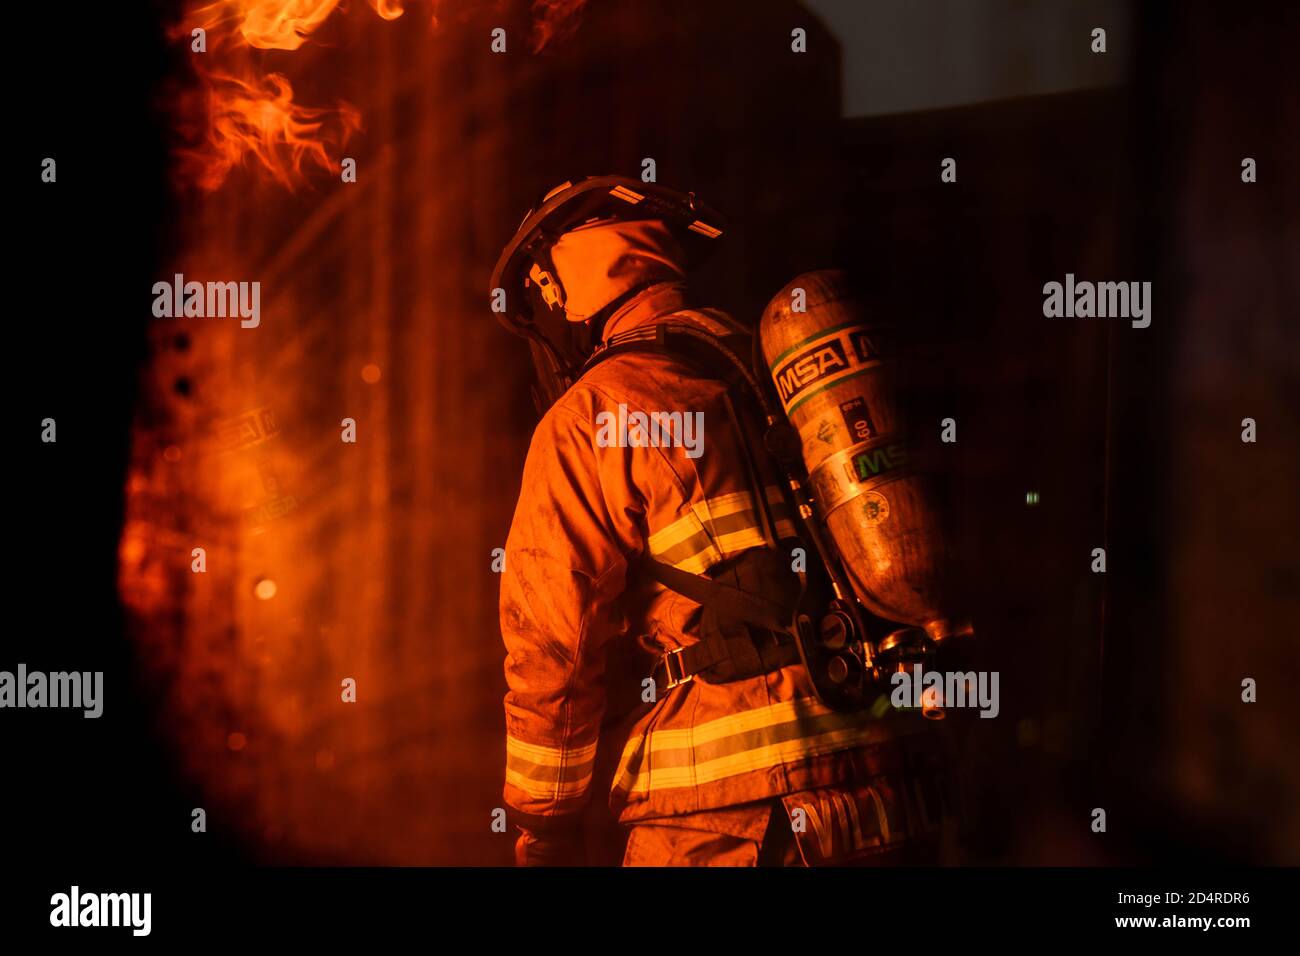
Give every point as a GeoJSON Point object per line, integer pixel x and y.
{"type": "Point", "coordinates": [690, 346]}
{"type": "Point", "coordinates": [669, 339]}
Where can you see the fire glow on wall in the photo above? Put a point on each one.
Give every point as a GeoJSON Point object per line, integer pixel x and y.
{"type": "Point", "coordinates": [267, 560]}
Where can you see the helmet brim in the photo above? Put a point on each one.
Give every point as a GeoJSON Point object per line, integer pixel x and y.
{"type": "Point", "coordinates": [697, 226]}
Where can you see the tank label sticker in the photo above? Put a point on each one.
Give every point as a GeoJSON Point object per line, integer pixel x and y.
{"type": "Point", "coordinates": [857, 472]}
{"type": "Point", "coordinates": [876, 461]}
{"type": "Point", "coordinates": [828, 489]}
{"type": "Point", "coordinates": [864, 345]}
{"type": "Point", "coordinates": [827, 359]}
{"type": "Point", "coordinates": [875, 506]}
{"type": "Point", "coordinates": [857, 419]}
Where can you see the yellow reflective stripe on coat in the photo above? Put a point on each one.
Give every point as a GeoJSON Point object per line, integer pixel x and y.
{"type": "Point", "coordinates": [548, 772]}
{"type": "Point", "coordinates": [739, 743]}
{"type": "Point", "coordinates": [718, 528]}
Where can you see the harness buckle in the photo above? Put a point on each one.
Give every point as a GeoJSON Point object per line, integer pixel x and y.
{"type": "Point", "coordinates": [680, 677]}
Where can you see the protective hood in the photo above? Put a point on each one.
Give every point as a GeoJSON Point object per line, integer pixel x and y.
{"type": "Point", "coordinates": [598, 264]}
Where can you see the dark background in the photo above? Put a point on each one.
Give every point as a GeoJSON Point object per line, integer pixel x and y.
{"type": "Point", "coordinates": [1119, 692]}
{"type": "Point", "coordinates": [81, 792]}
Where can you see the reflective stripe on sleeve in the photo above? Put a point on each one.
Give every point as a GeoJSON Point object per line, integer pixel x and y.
{"type": "Point", "coordinates": [718, 528]}
{"type": "Point", "coordinates": [549, 773]}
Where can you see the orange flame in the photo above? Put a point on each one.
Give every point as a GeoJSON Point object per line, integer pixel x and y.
{"type": "Point", "coordinates": [263, 124]}
{"type": "Point", "coordinates": [268, 24]}
{"type": "Point", "coordinates": [388, 9]}
{"type": "Point", "coordinates": [250, 116]}
{"type": "Point", "coordinates": [553, 20]}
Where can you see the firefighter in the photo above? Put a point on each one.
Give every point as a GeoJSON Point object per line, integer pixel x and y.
{"type": "Point", "coordinates": [697, 727]}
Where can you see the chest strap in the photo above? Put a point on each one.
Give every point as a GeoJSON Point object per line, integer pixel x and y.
{"type": "Point", "coordinates": [745, 634]}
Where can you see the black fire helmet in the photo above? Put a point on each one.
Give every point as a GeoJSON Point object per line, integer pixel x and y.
{"type": "Point", "coordinates": [525, 273]}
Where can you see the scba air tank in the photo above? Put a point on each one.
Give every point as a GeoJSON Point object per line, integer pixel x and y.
{"type": "Point", "coordinates": [836, 374]}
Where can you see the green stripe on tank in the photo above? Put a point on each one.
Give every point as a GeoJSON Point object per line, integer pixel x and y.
{"type": "Point", "coordinates": [813, 338]}
{"type": "Point", "coordinates": [833, 382]}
